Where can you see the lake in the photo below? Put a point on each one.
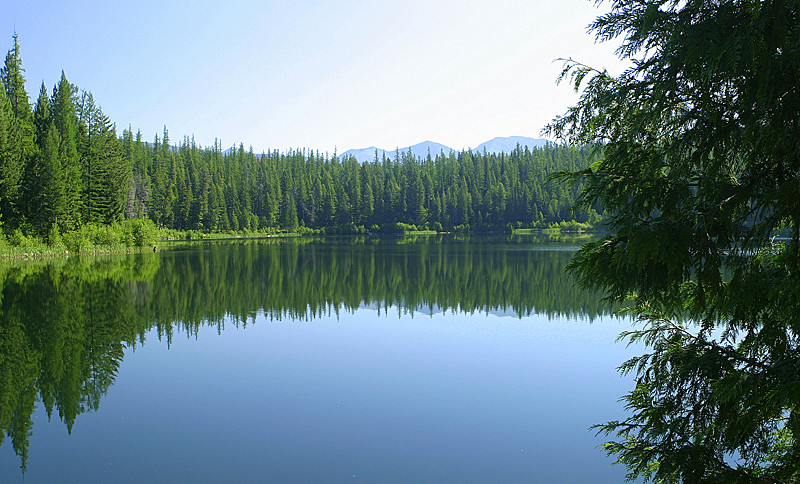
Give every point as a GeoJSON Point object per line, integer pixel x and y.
{"type": "Point", "coordinates": [349, 359]}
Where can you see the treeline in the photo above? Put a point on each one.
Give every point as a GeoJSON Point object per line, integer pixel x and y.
{"type": "Point", "coordinates": [63, 166]}
{"type": "Point", "coordinates": [189, 188]}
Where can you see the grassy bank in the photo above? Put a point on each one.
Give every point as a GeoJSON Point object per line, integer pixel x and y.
{"type": "Point", "coordinates": [132, 234]}
{"type": "Point", "coordinates": [566, 227]}
{"type": "Point", "coordinates": [142, 234]}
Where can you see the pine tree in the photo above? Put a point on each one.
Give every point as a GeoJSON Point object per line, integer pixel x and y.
{"type": "Point", "coordinates": [414, 191]}
{"type": "Point", "coordinates": [52, 201]}
{"type": "Point", "coordinates": [9, 155]}
{"type": "Point", "coordinates": [44, 182]}
{"type": "Point", "coordinates": [20, 133]}
{"type": "Point", "coordinates": [105, 171]}
{"type": "Point", "coordinates": [63, 108]}
{"type": "Point", "coordinates": [41, 115]}
{"type": "Point", "coordinates": [288, 206]}
{"type": "Point", "coordinates": [367, 202]}
{"type": "Point", "coordinates": [699, 173]}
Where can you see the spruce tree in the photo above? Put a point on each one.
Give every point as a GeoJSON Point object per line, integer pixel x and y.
{"type": "Point", "coordinates": [105, 172]}
{"type": "Point", "coordinates": [22, 133]}
{"type": "Point", "coordinates": [9, 155]}
{"type": "Point", "coordinates": [699, 176]}
{"type": "Point", "coordinates": [63, 108]}
{"type": "Point", "coordinates": [44, 182]}
{"type": "Point", "coordinates": [51, 206]}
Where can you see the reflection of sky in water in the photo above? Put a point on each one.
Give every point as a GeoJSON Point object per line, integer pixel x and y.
{"type": "Point", "coordinates": [368, 396]}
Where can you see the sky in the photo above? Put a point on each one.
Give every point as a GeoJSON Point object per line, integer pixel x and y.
{"type": "Point", "coordinates": [323, 75]}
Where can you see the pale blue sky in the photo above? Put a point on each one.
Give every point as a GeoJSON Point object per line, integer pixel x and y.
{"type": "Point", "coordinates": [315, 74]}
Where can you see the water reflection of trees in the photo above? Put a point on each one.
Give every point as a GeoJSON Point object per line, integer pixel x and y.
{"type": "Point", "coordinates": [64, 324]}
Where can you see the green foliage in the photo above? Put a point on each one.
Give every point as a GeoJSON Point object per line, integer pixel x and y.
{"type": "Point", "coordinates": [401, 228]}
{"type": "Point", "coordinates": [18, 133]}
{"type": "Point", "coordinates": [191, 188]}
{"type": "Point", "coordinates": [44, 183]}
{"type": "Point", "coordinates": [11, 158]}
{"type": "Point", "coordinates": [143, 232]}
{"type": "Point", "coordinates": [105, 174]}
{"type": "Point", "coordinates": [54, 236]}
{"type": "Point", "coordinates": [22, 241]}
{"type": "Point", "coordinates": [94, 237]}
{"type": "Point", "coordinates": [699, 169]}
{"type": "Point", "coordinates": [349, 229]}
{"type": "Point", "coordinates": [76, 241]}
{"type": "Point", "coordinates": [63, 115]}
{"type": "Point", "coordinates": [63, 163]}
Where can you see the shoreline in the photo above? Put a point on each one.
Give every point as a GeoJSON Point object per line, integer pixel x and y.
{"type": "Point", "coordinates": [47, 252]}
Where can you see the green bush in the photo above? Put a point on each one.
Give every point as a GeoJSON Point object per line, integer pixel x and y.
{"type": "Point", "coordinates": [54, 236]}
{"type": "Point", "coordinates": [143, 231]}
{"type": "Point", "coordinates": [105, 235]}
{"type": "Point", "coordinates": [19, 239]}
{"type": "Point", "coordinates": [76, 241]}
{"type": "Point", "coordinates": [347, 229]}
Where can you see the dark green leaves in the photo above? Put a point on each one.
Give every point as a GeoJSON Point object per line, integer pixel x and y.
{"type": "Point", "coordinates": [699, 172]}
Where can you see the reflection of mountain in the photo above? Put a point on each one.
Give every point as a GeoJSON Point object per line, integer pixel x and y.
{"type": "Point", "coordinates": [64, 324]}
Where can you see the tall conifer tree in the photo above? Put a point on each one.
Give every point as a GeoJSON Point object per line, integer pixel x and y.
{"type": "Point", "coordinates": [9, 150]}
{"type": "Point", "coordinates": [44, 182]}
{"type": "Point", "coordinates": [21, 135]}
{"type": "Point", "coordinates": [699, 172]}
{"type": "Point", "coordinates": [105, 172]}
{"type": "Point", "coordinates": [65, 120]}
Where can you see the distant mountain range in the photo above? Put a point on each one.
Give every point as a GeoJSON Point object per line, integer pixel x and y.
{"type": "Point", "coordinates": [421, 150]}
{"type": "Point", "coordinates": [507, 145]}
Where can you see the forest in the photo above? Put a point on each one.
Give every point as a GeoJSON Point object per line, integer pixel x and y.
{"type": "Point", "coordinates": [64, 169]}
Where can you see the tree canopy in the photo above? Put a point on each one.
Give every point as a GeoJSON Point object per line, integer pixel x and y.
{"type": "Point", "coordinates": [699, 173]}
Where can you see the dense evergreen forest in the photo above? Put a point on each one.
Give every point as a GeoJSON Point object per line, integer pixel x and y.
{"type": "Point", "coordinates": [64, 167]}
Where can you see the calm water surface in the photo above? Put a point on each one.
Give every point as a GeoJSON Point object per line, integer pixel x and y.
{"type": "Point", "coordinates": [437, 359]}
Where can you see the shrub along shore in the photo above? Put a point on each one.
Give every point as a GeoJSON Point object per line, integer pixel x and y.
{"type": "Point", "coordinates": [142, 234]}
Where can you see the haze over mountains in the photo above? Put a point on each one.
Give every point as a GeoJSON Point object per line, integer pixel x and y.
{"type": "Point", "coordinates": [496, 145]}
{"type": "Point", "coordinates": [421, 150]}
